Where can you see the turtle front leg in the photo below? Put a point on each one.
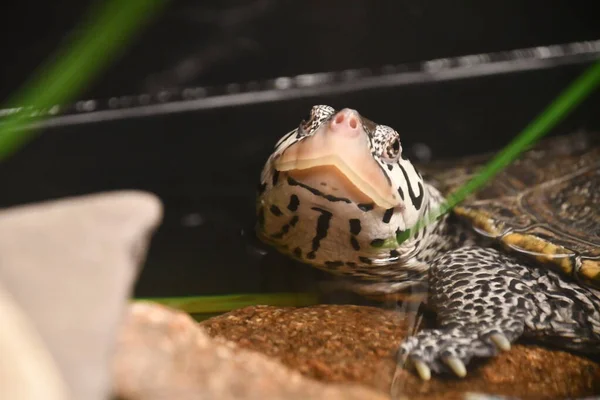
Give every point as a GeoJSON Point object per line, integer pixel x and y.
{"type": "Point", "coordinates": [481, 300]}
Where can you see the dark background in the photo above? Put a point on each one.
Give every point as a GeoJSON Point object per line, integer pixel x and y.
{"type": "Point", "coordinates": [205, 164]}
{"type": "Point", "coordinates": [221, 41]}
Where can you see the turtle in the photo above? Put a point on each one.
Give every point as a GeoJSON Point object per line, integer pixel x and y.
{"type": "Point", "coordinates": [520, 258]}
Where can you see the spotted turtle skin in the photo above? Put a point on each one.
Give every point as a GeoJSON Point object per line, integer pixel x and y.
{"type": "Point", "coordinates": [519, 259]}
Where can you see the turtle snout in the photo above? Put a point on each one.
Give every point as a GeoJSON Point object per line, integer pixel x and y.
{"type": "Point", "coordinates": [345, 122]}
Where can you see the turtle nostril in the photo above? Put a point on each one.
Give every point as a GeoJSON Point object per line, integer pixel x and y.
{"type": "Point", "coordinates": [351, 121]}
{"type": "Point", "coordinates": [346, 122]}
{"type": "Point", "coordinates": [353, 124]}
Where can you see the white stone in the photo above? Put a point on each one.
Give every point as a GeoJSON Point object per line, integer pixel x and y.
{"type": "Point", "coordinates": [70, 265]}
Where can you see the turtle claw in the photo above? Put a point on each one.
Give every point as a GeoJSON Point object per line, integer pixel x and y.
{"type": "Point", "coordinates": [422, 369]}
{"type": "Point", "coordinates": [501, 341]}
{"type": "Point", "coordinates": [456, 365]}
{"type": "Point", "coordinates": [450, 350]}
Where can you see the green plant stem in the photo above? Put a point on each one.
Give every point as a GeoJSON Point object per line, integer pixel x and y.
{"type": "Point", "coordinates": [225, 303]}
{"type": "Point", "coordinates": [109, 29]}
{"type": "Point", "coordinates": [572, 96]}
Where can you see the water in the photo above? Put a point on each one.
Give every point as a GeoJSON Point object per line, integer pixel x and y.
{"type": "Point", "coordinates": [205, 165]}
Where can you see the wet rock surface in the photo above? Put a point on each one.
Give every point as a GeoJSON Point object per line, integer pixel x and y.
{"type": "Point", "coordinates": [164, 354]}
{"type": "Point", "coordinates": [354, 344]}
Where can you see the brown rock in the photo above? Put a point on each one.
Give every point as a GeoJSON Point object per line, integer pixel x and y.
{"type": "Point", "coordinates": [355, 344]}
{"type": "Point", "coordinates": [163, 354]}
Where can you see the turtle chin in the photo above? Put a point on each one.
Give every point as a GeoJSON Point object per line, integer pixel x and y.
{"type": "Point", "coordinates": [330, 183]}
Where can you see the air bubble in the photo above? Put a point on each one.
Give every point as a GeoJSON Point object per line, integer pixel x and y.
{"type": "Point", "coordinates": [543, 52]}
{"type": "Point", "coordinates": [163, 96]}
{"type": "Point", "coordinates": [283, 83]}
{"type": "Point", "coordinates": [89, 105]}
{"type": "Point", "coordinates": [437, 65]}
{"type": "Point", "coordinates": [200, 92]}
{"type": "Point", "coordinates": [350, 74]}
{"type": "Point", "coordinates": [233, 88]}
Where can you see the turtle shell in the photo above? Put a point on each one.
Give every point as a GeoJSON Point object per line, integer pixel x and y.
{"type": "Point", "coordinates": [545, 205]}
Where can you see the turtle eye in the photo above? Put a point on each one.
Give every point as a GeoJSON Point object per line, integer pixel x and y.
{"type": "Point", "coordinates": [387, 143]}
{"type": "Point", "coordinates": [322, 112]}
{"type": "Point", "coordinates": [318, 114]}
{"type": "Point", "coordinates": [393, 149]}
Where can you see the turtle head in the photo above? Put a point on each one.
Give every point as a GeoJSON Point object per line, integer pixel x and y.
{"type": "Point", "coordinates": [338, 190]}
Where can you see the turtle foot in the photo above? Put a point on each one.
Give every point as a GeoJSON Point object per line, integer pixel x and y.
{"type": "Point", "coordinates": [450, 350]}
